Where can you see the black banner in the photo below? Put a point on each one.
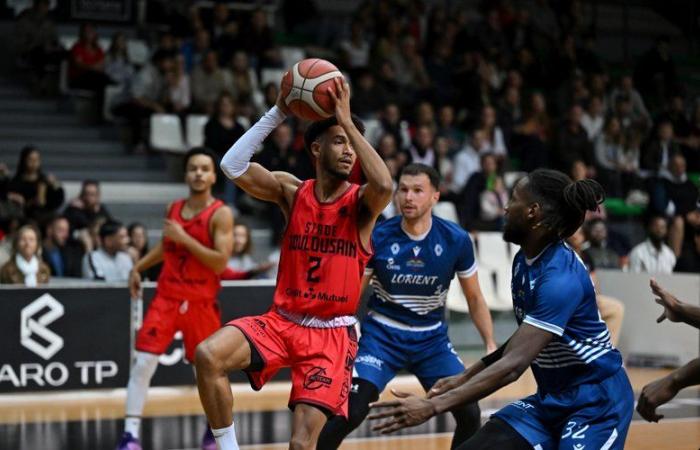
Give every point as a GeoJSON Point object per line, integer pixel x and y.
{"type": "Point", "coordinates": [58, 339]}
{"type": "Point", "coordinates": [104, 10]}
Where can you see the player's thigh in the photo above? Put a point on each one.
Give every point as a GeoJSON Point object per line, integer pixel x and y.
{"type": "Point", "coordinates": [307, 422]}
{"type": "Point", "coordinates": [528, 418]}
{"type": "Point", "coordinates": [496, 435]}
{"type": "Point", "coordinates": [439, 360]}
{"type": "Point", "coordinates": [378, 357]}
{"type": "Point", "coordinates": [228, 347]}
{"type": "Point", "coordinates": [159, 326]}
{"type": "Point", "coordinates": [201, 321]}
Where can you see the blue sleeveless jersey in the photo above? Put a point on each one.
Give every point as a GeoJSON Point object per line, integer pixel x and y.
{"type": "Point", "coordinates": [555, 293]}
{"type": "Point", "coordinates": [411, 277]}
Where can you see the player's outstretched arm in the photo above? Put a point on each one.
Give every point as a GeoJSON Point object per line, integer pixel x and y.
{"type": "Point", "coordinates": [410, 410]}
{"type": "Point", "coordinates": [222, 234]}
{"type": "Point", "coordinates": [253, 178]}
{"type": "Point", "coordinates": [376, 194]}
{"type": "Point", "coordinates": [674, 309]}
{"type": "Point", "coordinates": [664, 389]}
{"type": "Point", "coordinates": [479, 310]}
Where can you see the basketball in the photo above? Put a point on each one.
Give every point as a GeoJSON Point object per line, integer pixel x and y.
{"type": "Point", "coordinates": [304, 88]}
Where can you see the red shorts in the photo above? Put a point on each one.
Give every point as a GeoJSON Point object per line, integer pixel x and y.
{"type": "Point", "coordinates": [197, 321]}
{"type": "Point", "coordinates": [321, 359]}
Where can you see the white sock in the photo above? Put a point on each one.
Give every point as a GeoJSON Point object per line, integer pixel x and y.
{"type": "Point", "coordinates": [132, 425]}
{"type": "Point", "coordinates": [225, 437]}
{"type": "Point", "coordinates": [137, 389]}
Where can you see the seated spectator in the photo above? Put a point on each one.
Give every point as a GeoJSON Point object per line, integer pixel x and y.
{"type": "Point", "coordinates": [532, 138]}
{"type": "Point", "coordinates": [209, 81]}
{"type": "Point", "coordinates": [653, 255]}
{"type": "Point", "coordinates": [147, 94]}
{"type": "Point", "coordinates": [36, 41]}
{"type": "Point", "coordinates": [355, 50]}
{"type": "Point", "coordinates": [469, 209]}
{"type": "Point", "coordinates": [87, 207]}
{"type": "Point", "coordinates": [495, 141]}
{"type": "Point", "coordinates": [110, 262]}
{"type": "Point", "coordinates": [87, 62]}
{"type": "Point", "coordinates": [596, 246]}
{"type": "Point", "coordinates": [444, 166]}
{"type": "Point", "coordinates": [391, 123]}
{"type": "Point", "coordinates": [510, 113]}
{"type": "Point", "coordinates": [259, 43]}
{"type": "Point", "coordinates": [593, 118]}
{"type": "Point", "coordinates": [657, 153]}
{"type": "Point", "coordinates": [178, 95]}
{"type": "Point", "coordinates": [689, 261]}
{"type": "Point", "coordinates": [220, 132]}
{"type": "Point", "coordinates": [117, 65]}
{"type": "Point", "coordinates": [422, 149]}
{"type": "Point", "coordinates": [609, 151]}
{"type": "Point", "coordinates": [194, 50]}
{"type": "Point", "coordinates": [572, 143]}
{"type": "Point", "coordinates": [138, 247]}
{"type": "Point", "coordinates": [241, 258]}
{"type": "Point", "coordinates": [627, 90]}
{"type": "Point", "coordinates": [468, 161]}
{"type": "Point", "coordinates": [60, 252]}
{"type": "Point", "coordinates": [447, 128]}
{"type": "Point", "coordinates": [492, 202]}
{"type": "Point", "coordinates": [612, 310]}
{"type": "Point", "coordinates": [245, 82]}
{"type": "Point", "coordinates": [367, 98]}
{"type": "Point", "coordinates": [40, 194]}
{"type": "Point", "coordinates": [25, 265]}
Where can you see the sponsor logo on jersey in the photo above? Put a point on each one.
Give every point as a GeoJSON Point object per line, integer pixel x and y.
{"type": "Point", "coordinates": [423, 280]}
{"type": "Point", "coordinates": [395, 248]}
{"type": "Point", "coordinates": [438, 250]}
{"type": "Point", "coordinates": [522, 405]}
{"type": "Point", "coordinates": [416, 251]}
{"type": "Point", "coordinates": [415, 263]}
{"type": "Point", "coordinates": [391, 266]}
{"type": "Point", "coordinates": [316, 378]}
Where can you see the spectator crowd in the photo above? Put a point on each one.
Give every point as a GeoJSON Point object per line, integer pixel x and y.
{"type": "Point", "coordinates": [480, 94]}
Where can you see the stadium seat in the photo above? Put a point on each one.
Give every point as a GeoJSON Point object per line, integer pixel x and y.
{"type": "Point", "coordinates": [510, 178]}
{"type": "Point", "coordinates": [292, 55]}
{"type": "Point", "coordinates": [373, 131]}
{"type": "Point", "coordinates": [495, 259]}
{"type": "Point", "coordinates": [166, 133]}
{"type": "Point", "coordinates": [271, 76]}
{"type": "Point", "coordinates": [110, 95]}
{"type": "Point", "coordinates": [138, 51]}
{"type": "Point", "coordinates": [447, 211]}
{"type": "Point", "coordinates": [195, 129]}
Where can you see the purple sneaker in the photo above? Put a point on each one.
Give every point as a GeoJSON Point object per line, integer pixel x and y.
{"type": "Point", "coordinates": [208, 441]}
{"type": "Point", "coordinates": [129, 442]}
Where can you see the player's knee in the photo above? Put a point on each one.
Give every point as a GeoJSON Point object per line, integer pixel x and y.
{"type": "Point", "coordinates": [205, 360]}
{"type": "Point", "coordinates": [301, 441]}
{"type": "Point", "coordinates": [468, 415]}
{"type": "Point", "coordinates": [144, 367]}
{"type": "Point", "coordinates": [357, 412]}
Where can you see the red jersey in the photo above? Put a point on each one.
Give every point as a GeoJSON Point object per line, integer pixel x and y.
{"type": "Point", "coordinates": [183, 276]}
{"type": "Point", "coordinates": [322, 260]}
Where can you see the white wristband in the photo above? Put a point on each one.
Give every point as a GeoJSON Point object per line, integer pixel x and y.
{"type": "Point", "coordinates": [237, 159]}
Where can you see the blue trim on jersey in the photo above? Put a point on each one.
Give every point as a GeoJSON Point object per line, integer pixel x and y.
{"type": "Point", "coordinates": [410, 279]}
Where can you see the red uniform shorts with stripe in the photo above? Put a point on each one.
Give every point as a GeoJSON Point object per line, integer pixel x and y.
{"type": "Point", "coordinates": [164, 317]}
{"type": "Point", "coordinates": [321, 359]}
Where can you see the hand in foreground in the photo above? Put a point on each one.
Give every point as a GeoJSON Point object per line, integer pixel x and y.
{"type": "Point", "coordinates": [407, 411]}
{"type": "Point", "coordinates": [667, 300]}
{"type": "Point", "coordinates": [281, 104]}
{"type": "Point", "coordinates": [174, 231]}
{"type": "Point", "coordinates": [341, 99]}
{"type": "Point", "coordinates": [654, 395]}
{"type": "Point", "coordinates": [446, 384]}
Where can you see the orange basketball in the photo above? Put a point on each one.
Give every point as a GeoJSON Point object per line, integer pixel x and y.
{"type": "Point", "coordinates": [304, 88]}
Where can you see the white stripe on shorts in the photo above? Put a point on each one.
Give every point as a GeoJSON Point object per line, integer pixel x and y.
{"type": "Point", "coordinates": [610, 441]}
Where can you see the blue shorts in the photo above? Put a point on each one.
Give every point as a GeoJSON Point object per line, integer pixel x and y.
{"type": "Point", "coordinates": [385, 350]}
{"type": "Point", "coordinates": [587, 416]}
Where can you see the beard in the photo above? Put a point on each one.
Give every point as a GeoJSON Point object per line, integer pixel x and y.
{"type": "Point", "coordinates": [514, 233]}
{"type": "Point", "coordinates": [329, 168]}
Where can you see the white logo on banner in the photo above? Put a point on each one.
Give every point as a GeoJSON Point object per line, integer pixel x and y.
{"type": "Point", "coordinates": [33, 325]}
{"type": "Point", "coordinates": [170, 359]}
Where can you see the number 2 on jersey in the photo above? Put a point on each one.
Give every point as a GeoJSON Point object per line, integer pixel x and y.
{"type": "Point", "coordinates": [314, 265]}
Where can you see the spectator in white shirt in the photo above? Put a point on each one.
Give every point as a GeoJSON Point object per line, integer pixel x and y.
{"type": "Point", "coordinates": [653, 255]}
{"type": "Point", "coordinates": [110, 262]}
{"type": "Point", "coordinates": [494, 139]}
{"type": "Point", "coordinates": [468, 161]}
{"type": "Point", "coordinates": [593, 118]}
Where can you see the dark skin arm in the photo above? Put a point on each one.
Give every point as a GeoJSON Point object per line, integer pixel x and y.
{"type": "Point", "coordinates": [674, 309]}
{"type": "Point", "coordinates": [410, 410]}
{"type": "Point", "coordinates": [376, 194]}
{"type": "Point", "coordinates": [664, 389]}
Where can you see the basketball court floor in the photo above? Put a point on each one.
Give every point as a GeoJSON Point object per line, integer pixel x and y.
{"type": "Point", "coordinates": [91, 420]}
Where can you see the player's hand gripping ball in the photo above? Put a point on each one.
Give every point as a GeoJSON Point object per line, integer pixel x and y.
{"type": "Point", "coordinates": [305, 86]}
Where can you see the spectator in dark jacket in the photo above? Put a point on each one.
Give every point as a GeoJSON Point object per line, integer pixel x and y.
{"type": "Point", "coordinates": [658, 152]}
{"type": "Point", "coordinates": [85, 209]}
{"type": "Point", "coordinates": [572, 143]}
{"type": "Point", "coordinates": [221, 131]}
{"type": "Point", "coordinates": [61, 253]}
{"type": "Point", "coordinates": [40, 193]}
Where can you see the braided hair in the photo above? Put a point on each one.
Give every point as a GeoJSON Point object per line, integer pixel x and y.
{"type": "Point", "coordinates": [564, 202]}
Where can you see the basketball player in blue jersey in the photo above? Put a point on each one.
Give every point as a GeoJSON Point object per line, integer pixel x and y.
{"type": "Point", "coordinates": [416, 256]}
{"type": "Point", "coordinates": [584, 399]}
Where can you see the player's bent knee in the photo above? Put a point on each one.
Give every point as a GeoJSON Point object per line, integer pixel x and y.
{"type": "Point", "coordinates": [205, 360]}
{"type": "Point", "coordinates": [303, 442]}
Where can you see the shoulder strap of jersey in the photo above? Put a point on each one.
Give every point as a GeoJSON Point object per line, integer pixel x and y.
{"type": "Point", "coordinates": [176, 208]}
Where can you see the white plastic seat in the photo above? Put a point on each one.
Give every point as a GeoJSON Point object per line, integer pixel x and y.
{"type": "Point", "coordinates": [111, 93]}
{"type": "Point", "coordinates": [292, 55]}
{"type": "Point", "coordinates": [194, 127]}
{"type": "Point", "coordinates": [166, 133]}
{"type": "Point", "coordinates": [373, 130]}
{"type": "Point", "coordinates": [138, 51]}
{"type": "Point", "coordinates": [447, 211]}
{"type": "Point", "coordinates": [271, 76]}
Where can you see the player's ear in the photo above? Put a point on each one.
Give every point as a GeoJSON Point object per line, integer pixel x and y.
{"type": "Point", "coordinates": [316, 149]}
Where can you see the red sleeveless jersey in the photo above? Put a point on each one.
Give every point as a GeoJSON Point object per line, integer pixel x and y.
{"type": "Point", "coordinates": [183, 276]}
{"type": "Point", "coordinates": [322, 259]}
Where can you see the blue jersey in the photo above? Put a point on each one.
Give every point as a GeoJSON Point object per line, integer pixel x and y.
{"type": "Point", "coordinates": [555, 293]}
{"type": "Point", "coordinates": [411, 277]}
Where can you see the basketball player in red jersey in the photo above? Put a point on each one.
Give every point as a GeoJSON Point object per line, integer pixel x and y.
{"type": "Point", "coordinates": [324, 251]}
{"type": "Point", "coordinates": [197, 241]}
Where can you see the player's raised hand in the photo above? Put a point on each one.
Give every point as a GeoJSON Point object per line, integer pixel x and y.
{"type": "Point", "coordinates": [407, 411]}
{"type": "Point", "coordinates": [135, 284]}
{"type": "Point", "coordinates": [174, 231]}
{"type": "Point", "coordinates": [280, 103]}
{"type": "Point", "coordinates": [341, 100]}
{"type": "Point", "coordinates": [654, 395]}
{"type": "Point", "coordinates": [670, 303]}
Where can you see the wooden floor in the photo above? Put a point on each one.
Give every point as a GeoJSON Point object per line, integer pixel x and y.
{"type": "Point", "coordinates": [17, 412]}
